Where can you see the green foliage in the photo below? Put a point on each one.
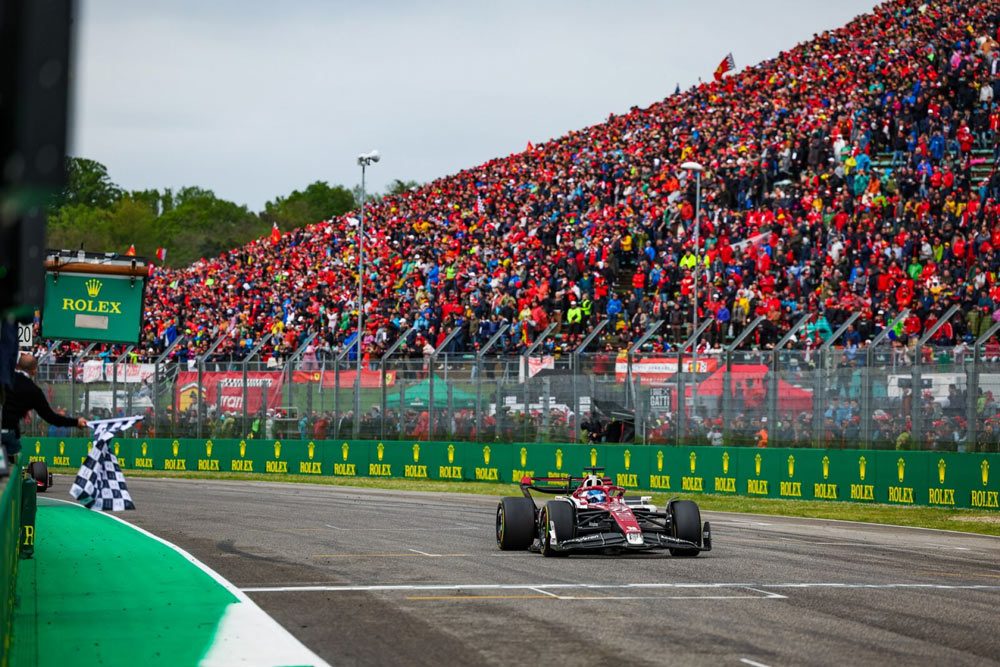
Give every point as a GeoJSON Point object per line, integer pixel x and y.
{"type": "Point", "coordinates": [88, 184]}
{"type": "Point", "coordinates": [398, 187]}
{"type": "Point", "coordinates": [94, 213]}
{"type": "Point", "coordinates": [317, 202]}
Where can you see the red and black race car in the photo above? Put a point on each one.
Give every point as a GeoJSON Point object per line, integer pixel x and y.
{"type": "Point", "coordinates": [38, 471]}
{"type": "Point", "coordinates": [592, 513]}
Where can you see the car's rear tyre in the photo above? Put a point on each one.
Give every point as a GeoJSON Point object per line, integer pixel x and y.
{"type": "Point", "coordinates": [515, 523]}
{"type": "Point", "coordinates": [39, 472]}
{"type": "Point", "coordinates": [686, 520]}
{"type": "Point", "coordinates": [559, 516]}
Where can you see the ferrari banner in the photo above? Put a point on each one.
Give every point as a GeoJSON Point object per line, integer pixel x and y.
{"type": "Point", "coordinates": [369, 379]}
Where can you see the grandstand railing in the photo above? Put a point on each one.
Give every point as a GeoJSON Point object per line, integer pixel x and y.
{"type": "Point", "coordinates": [830, 397]}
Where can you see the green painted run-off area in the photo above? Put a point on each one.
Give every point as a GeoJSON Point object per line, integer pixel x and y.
{"type": "Point", "coordinates": [99, 592]}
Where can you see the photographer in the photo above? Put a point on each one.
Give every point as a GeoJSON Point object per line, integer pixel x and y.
{"type": "Point", "coordinates": [24, 397]}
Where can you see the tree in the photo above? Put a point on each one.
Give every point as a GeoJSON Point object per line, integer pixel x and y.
{"type": "Point", "coordinates": [398, 187]}
{"type": "Point", "coordinates": [199, 224]}
{"type": "Point", "coordinates": [94, 213]}
{"type": "Point", "coordinates": [88, 183]}
{"type": "Point", "coordinates": [317, 202]}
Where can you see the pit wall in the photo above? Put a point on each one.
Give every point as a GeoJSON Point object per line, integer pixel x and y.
{"type": "Point", "coordinates": [10, 531]}
{"type": "Point", "coordinates": [942, 479]}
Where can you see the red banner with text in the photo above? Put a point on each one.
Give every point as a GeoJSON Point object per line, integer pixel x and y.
{"type": "Point", "coordinates": [261, 385]}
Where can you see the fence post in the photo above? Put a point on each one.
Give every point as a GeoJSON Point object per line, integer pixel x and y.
{"type": "Point", "coordinates": [772, 386]}
{"type": "Point", "coordinates": [578, 370]}
{"type": "Point", "coordinates": [916, 389]}
{"type": "Point", "coordinates": [158, 363]}
{"type": "Point", "coordinates": [527, 372]}
{"type": "Point", "coordinates": [821, 375]}
{"type": "Point", "coordinates": [382, 363]}
{"type": "Point", "coordinates": [682, 417]}
{"type": "Point", "coordinates": [201, 383]}
{"type": "Point", "coordinates": [430, 379]}
{"type": "Point", "coordinates": [336, 387]}
{"type": "Point", "coordinates": [480, 355]}
{"type": "Point", "coordinates": [972, 389]}
{"type": "Point", "coordinates": [497, 408]}
{"type": "Point", "coordinates": [867, 383]}
{"type": "Point", "coordinates": [727, 379]}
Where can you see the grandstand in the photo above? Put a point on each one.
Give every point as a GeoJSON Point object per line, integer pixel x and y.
{"type": "Point", "coordinates": [852, 179]}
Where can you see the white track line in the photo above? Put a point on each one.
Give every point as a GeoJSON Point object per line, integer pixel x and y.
{"type": "Point", "coordinates": [758, 587]}
{"type": "Point", "coordinates": [424, 553]}
{"type": "Point", "coordinates": [753, 663]}
{"type": "Point", "coordinates": [786, 519]}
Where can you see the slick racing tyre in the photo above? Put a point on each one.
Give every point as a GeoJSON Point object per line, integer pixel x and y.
{"type": "Point", "coordinates": [559, 516]}
{"type": "Point", "coordinates": [515, 523]}
{"type": "Point", "coordinates": [40, 473]}
{"type": "Point", "coordinates": [686, 520]}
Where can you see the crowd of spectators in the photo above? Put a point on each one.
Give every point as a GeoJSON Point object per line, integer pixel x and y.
{"type": "Point", "coordinates": [796, 216]}
{"type": "Point", "coordinates": [856, 172]}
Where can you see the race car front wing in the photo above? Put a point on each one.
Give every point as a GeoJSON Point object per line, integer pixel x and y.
{"type": "Point", "coordinates": [650, 540]}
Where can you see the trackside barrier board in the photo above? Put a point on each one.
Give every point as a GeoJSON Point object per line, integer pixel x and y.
{"type": "Point", "coordinates": [102, 591]}
{"type": "Point", "coordinates": [942, 479]}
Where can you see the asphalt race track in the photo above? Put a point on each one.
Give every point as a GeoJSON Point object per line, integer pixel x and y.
{"type": "Point", "coordinates": [383, 577]}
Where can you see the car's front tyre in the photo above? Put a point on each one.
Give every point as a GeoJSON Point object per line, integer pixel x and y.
{"type": "Point", "coordinates": [686, 521]}
{"type": "Point", "coordinates": [558, 523]}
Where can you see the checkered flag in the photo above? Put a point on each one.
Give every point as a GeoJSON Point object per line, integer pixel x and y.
{"type": "Point", "coordinates": [100, 484]}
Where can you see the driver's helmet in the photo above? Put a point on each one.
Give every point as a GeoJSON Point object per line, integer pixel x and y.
{"type": "Point", "coordinates": [596, 496]}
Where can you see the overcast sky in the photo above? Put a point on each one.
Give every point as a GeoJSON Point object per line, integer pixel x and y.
{"type": "Point", "coordinates": [254, 99]}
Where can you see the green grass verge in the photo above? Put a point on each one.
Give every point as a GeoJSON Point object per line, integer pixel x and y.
{"type": "Point", "coordinates": [964, 520]}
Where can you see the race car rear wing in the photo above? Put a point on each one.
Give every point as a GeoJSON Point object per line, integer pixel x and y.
{"type": "Point", "coordinates": [567, 485]}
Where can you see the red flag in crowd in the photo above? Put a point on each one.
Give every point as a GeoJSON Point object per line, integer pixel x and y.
{"type": "Point", "coordinates": [275, 233]}
{"type": "Point", "coordinates": [727, 64]}
{"type": "Point", "coordinates": [161, 254]}
{"type": "Point", "coordinates": [131, 251]}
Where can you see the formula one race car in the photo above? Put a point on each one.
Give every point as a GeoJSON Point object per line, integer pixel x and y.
{"type": "Point", "coordinates": [592, 513]}
{"type": "Point", "coordinates": [38, 471]}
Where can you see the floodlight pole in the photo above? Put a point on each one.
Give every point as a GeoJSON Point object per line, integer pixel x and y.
{"type": "Point", "coordinates": [697, 168]}
{"type": "Point", "coordinates": [364, 160]}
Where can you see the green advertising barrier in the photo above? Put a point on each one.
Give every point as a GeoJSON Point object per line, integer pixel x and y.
{"type": "Point", "coordinates": [348, 460]}
{"type": "Point", "coordinates": [486, 462]}
{"type": "Point", "coordinates": [10, 528]}
{"type": "Point", "coordinates": [939, 479]}
{"type": "Point", "coordinates": [627, 465]}
{"type": "Point", "coordinates": [664, 469]}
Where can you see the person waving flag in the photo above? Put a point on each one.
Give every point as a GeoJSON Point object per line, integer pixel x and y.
{"type": "Point", "coordinates": [728, 63]}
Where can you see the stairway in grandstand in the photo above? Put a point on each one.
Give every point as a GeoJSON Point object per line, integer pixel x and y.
{"type": "Point", "coordinates": [982, 163]}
